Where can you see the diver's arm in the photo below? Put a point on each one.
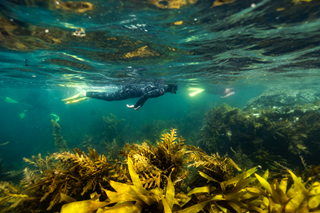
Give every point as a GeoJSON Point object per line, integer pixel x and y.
{"type": "Point", "coordinates": [151, 94]}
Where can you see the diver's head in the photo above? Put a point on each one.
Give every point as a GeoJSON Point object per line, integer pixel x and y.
{"type": "Point", "coordinates": [172, 88]}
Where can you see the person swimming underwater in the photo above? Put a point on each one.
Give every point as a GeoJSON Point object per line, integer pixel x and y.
{"type": "Point", "coordinates": [141, 91]}
{"type": "Point", "coordinates": [223, 92]}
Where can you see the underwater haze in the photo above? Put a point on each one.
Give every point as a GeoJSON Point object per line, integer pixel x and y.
{"type": "Point", "coordinates": [247, 72]}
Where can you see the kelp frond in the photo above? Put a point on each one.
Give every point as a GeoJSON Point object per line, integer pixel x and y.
{"type": "Point", "coordinates": [29, 177]}
{"type": "Point", "coordinates": [280, 198]}
{"type": "Point", "coordinates": [77, 173]}
{"type": "Point", "coordinates": [10, 197]}
{"type": "Point", "coordinates": [217, 167]}
{"type": "Point", "coordinates": [154, 161]}
{"type": "Point", "coordinates": [147, 184]}
{"type": "Point", "coordinates": [240, 194]}
{"type": "Point", "coordinates": [41, 164]}
{"type": "Point", "coordinates": [135, 198]}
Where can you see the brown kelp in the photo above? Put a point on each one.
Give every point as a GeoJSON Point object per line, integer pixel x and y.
{"type": "Point", "coordinates": [277, 130]}
{"type": "Point", "coordinates": [41, 164]}
{"type": "Point", "coordinates": [7, 174]}
{"type": "Point", "coordinates": [217, 167]}
{"type": "Point", "coordinates": [112, 150]}
{"type": "Point", "coordinates": [87, 142]}
{"type": "Point", "coordinates": [39, 167]}
{"type": "Point", "coordinates": [11, 197]}
{"type": "Point", "coordinates": [60, 143]}
{"type": "Point", "coordinates": [153, 179]}
{"type": "Point", "coordinates": [241, 193]}
{"type": "Point", "coordinates": [2, 170]}
{"type": "Point", "coordinates": [154, 163]}
{"type": "Point", "coordinates": [107, 133]}
{"type": "Point", "coordinates": [153, 130]}
{"type": "Point", "coordinates": [77, 174]}
{"type": "Point", "coordinates": [135, 198]}
{"type": "Point", "coordinates": [112, 127]}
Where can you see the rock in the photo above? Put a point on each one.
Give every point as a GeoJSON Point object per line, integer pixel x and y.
{"type": "Point", "coordinates": [286, 96]}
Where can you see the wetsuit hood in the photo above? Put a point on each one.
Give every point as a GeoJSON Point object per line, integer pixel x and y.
{"type": "Point", "coordinates": [171, 87]}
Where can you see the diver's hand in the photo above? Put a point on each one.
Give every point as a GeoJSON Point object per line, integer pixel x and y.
{"type": "Point", "coordinates": [138, 107]}
{"type": "Point", "coordinates": [132, 107]}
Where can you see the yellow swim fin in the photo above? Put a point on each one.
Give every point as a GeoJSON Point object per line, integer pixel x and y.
{"type": "Point", "coordinates": [74, 101]}
{"type": "Point", "coordinates": [76, 98]}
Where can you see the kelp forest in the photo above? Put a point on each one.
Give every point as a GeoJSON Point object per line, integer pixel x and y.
{"type": "Point", "coordinates": [226, 160]}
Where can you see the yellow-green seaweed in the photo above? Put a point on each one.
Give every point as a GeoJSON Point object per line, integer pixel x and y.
{"type": "Point", "coordinates": [89, 182]}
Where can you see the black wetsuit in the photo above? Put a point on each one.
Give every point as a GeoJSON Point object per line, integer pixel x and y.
{"type": "Point", "coordinates": [144, 91]}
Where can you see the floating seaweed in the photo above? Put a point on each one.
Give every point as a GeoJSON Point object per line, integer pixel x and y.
{"type": "Point", "coordinates": [73, 6]}
{"type": "Point", "coordinates": [221, 2]}
{"type": "Point", "coordinates": [171, 4]}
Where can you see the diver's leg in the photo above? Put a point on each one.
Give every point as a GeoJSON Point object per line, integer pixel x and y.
{"type": "Point", "coordinates": [121, 94]}
{"type": "Point", "coordinates": [125, 92]}
{"type": "Point", "coordinates": [102, 96]}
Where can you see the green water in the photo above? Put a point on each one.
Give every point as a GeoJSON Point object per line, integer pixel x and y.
{"type": "Point", "coordinates": [246, 45]}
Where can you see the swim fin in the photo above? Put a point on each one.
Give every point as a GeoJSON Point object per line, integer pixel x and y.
{"type": "Point", "coordinates": [76, 98]}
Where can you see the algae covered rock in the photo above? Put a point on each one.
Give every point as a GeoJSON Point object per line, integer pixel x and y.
{"type": "Point", "coordinates": [269, 137]}
{"type": "Point", "coordinates": [285, 96]}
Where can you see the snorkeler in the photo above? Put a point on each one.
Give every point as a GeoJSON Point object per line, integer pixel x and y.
{"type": "Point", "coordinates": [228, 92]}
{"type": "Point", "coordinates": [141, 91]}
{"type": "Point", "coordinates": [223, 92]}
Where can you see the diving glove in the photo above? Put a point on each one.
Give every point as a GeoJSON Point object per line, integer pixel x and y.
{"type": "Point", "coordinates": [76, 98]}
{"type": "Point", "coordinates": [132, 107]}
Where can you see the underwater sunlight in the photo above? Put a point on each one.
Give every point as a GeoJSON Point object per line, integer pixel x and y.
{"type": "Point", "coordinates": [159, 106]}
